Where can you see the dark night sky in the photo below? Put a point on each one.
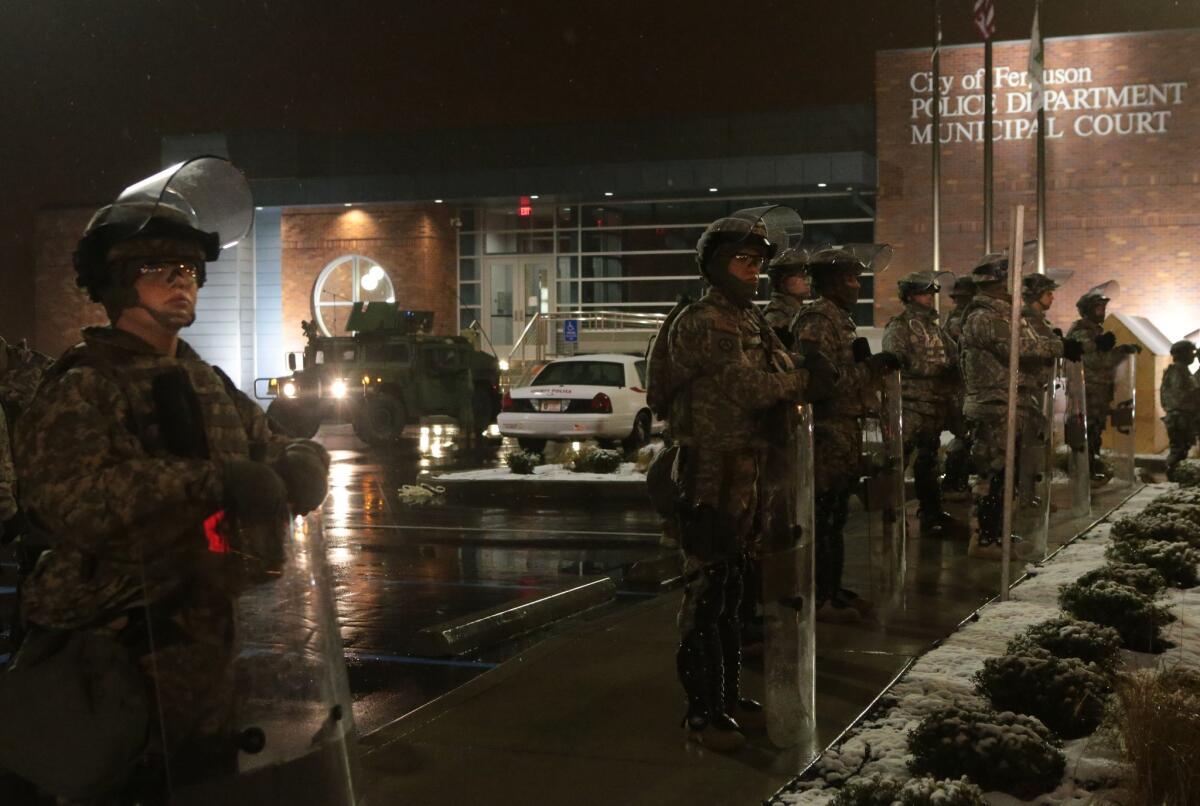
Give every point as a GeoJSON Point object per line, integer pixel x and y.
{"type": "Point", "coordinates": [89, 87]}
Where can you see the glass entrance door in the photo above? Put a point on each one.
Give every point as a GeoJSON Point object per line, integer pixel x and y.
{"type": "Point", "coordinates": [517, 289]}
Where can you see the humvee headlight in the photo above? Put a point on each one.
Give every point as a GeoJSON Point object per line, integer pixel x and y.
{"type": "Point", "coordinates": [338, 388]}
{"type": "Point", "coordinates": [289, 389]}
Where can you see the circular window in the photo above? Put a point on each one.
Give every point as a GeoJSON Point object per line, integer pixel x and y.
{"type": "Point", "coordinates": [345, 281]}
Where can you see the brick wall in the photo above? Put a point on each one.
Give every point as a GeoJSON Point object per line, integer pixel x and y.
{"type": "Point", "coordinates": [1121, 206]}
{"type": "Point", "coordinates": [60, 307]}
{"type": "Point", "coordinates": [415, 244]}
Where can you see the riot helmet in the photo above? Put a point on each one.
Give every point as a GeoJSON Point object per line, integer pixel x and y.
{"type": "Point", "coordinates": [963, 289]}
{"type": "Point", "coordinates": [767, 230]}
{"type": "Point", "coordinates": [917, 282]}
{"type": "Point", "coordinates": [835, 269]}
{"type": "Point", "coordinates": [1096, 297]}
{"type": "Point", "coordinates": [790, 262]}
{"type": "Point", "coordinates": [188, 211]}
{"type": "Point", "coordinates": [1183, 349]}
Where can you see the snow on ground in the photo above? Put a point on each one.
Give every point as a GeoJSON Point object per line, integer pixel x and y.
{"type": "Point", "coordinates": [943, 676]}
{"type": "Point", "coordinates": [627, 473]}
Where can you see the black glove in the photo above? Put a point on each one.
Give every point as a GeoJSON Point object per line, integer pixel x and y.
{"type": "Point", "coordinates": [304, 468]}
{"type": "Point", "coordinates": [255, 492]}
{"type": "Point", "coordinates": [883, 362]}
{"type": "Point", "coordinates": [1057, 332]}
{"type": "Point", "coordinates": [1072, 350]}
{"type": "Point", "coordinates": [14, 527]}
{"type": "Point", "coordinates": [1106, 341]}
{"type": "Point", "coordinates": [862, 350]}
{"type": "Point", "coordinates": [1129, 349]}
{"type": "Point", "coordinates": [822, 377]}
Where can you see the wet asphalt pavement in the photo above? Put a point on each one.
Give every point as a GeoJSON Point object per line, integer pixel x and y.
{"type": "Point", "coordinates": [402, 567]}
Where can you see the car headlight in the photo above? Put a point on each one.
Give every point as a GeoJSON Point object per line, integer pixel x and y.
{"type": "Point", "coordinates": [338, 388]}
{"type": "Point", "coordinates": [289, 389]}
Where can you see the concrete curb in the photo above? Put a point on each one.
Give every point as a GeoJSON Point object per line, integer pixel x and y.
{"type": "Point", "coordinates": [508, 620]}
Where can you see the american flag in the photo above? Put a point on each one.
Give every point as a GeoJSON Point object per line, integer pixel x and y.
{"type": "Point", "coordinates": [985, 18]}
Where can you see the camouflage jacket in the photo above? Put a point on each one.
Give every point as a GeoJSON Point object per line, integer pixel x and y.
{"type": "Point", "coordinates": [732, 360]}
{"type": "Point", "coordinates": [8, 477]}
{"type": "Point", "coordinates": [1180, 390]}
{"type": "Point", "coordinates": [985, 346]}
{"type": "Point", "coordinates": [828, 329]}
{"type": "Point", "coordinates": [21, 371]}
{"type": "Point", "coordinates": [1098, 366]}
{"type": "Point", "coordinates": [781, 310]}
{"type": "Point", "coordinates": [954, 323]}
{"type": "Point", "coordinates": [926, 356]}
{"type": "Point", "coordinates": [123, 514]}
{"type": "Point", "coordinates": [1038, 376]}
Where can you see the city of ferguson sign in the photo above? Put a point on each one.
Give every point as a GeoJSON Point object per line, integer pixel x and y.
{"type": "Point", "coordinates": [1106, 110]}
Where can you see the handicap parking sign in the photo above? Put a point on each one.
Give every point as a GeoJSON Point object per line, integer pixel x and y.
{"type": "Point", "coordinates": [571, 330]}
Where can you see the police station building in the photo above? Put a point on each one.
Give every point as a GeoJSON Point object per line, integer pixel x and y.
{"type": "Point", "coordinates": [494, 227]}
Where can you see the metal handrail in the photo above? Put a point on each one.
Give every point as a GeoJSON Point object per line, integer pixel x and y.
{"type": "Point", "coordinates": [622, 319]}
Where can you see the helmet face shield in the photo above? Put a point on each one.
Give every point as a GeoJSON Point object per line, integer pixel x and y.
{"type": "Point", "coordinates": [206, 193]}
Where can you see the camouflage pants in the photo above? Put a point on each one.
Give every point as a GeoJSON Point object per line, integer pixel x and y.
{"type": "Point", "coordinates": [988, 432]}
{"type": "Point", "coordinates": [837, 447]}
{"type": "Point", "coordinates": [1181, 432]}
{"type": "Point", "coordinates": [922, 438]}
{"type": "Point", "coordinates": [709, 659]}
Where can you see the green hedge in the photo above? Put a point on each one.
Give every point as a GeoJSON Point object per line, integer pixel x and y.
{"type": "Point", "coordinates": [1068, 637]}
{"type": "Point", "coordinates": [1142, 578]}
{"type": "Point", "coordinates": [523, 462]}
{"type": "Point", "coordinates": [1066, 694]}
{"type": "Point", "coordinates": [924, 791]}
{"type": "Point", "coordinates": [997, 750]}
{"type": "Point", "coordinates": [1175, 561]}
{"type": "Point", "coordinates": [1133, 615]}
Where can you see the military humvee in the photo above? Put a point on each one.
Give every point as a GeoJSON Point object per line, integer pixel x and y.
{"type": "Point", "coordinates": [390, 373]}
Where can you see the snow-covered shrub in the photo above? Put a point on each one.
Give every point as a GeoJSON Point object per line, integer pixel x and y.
{"type": "Point", "coordinates": [523, 462]}
{"type": "Point", "coordinates": [1005, 751]}
{"type": "Point", "coordinates": [596, 460]}
{"type": "Point", "coordinates": [1157, 716]}
{"type": "Point", "coordinates": [1168, 510]}
{"type": "Point", "coordinates": [1066, 694]}
{"type": "Point", "coordinates": [925, 791]}
{"type": "Point", "coordinates": [1175, 561]}
{"type": "Point", "coordinates": [1141, 578]}
{"type": "Point", "coordinates": [1187, 496]}
{"type": "Point", "coordinates": [1155, 526]}
{"type": "Point", "coordinates": [1134, 615]}
{"type": "Point", "coordinates": [1068, 637]}
{"type": "Point", "coordinates": [1186, 473]}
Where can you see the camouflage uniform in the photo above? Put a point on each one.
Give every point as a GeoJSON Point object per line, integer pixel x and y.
{"type": "Point", "coordinates": [1180, 395]}
{"type": "Point", "coordinates": [1098, 367]}
{"type": "Point", "coordinates": [958, 454]}
{"type": "Point", "coordinates": [826, 328]}
{"type": "Point", "coordinates": [720, 419]}
{"type": "Point", "coordinates": [985, 346]}
{"type": "Point", "coordinates": [8, 477]}
{"type": "Point", "coordinates": [781, 310]}
{"type": "Point", "coordinates": [928, 382]}
{"type": "Point", "coordinates": [124, 516]}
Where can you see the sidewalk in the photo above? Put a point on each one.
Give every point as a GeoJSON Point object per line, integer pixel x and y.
{"type": "Point", "coordinates": [593, 716]}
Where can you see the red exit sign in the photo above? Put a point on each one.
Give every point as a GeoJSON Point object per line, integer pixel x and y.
{"type": "Point", "coordinates": [525, 208]}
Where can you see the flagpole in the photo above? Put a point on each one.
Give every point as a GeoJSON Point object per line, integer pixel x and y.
{"type": "Point", "coordinates": [987, 145]}
{"type": "Point", "coordinates": [1041, 146]}
{"type": "Point", "coordinates": [937, 139]}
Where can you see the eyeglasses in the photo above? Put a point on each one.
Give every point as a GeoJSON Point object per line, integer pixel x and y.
{"type": "Point", "coordinates": [751, 260]}
{"type": "Point", "coordinates": [167, 271]}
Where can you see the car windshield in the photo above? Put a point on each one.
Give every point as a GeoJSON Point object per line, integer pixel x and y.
{"type": "Point", "coordinates": [584, 373]}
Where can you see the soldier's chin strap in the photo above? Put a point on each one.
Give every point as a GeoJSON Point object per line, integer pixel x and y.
{"type": "Point", "coordinates": [162, 319]}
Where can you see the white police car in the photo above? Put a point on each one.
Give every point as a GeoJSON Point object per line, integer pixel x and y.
{"type": "Point", "coordinates": [601, 397]}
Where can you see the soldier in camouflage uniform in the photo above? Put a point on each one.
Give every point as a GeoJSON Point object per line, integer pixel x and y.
{"type": "Point", "coordinates": [827, 328]}
{"type": "Point", "coordinates": [1180, 395]}
{"type": "Point", "coordinates": [736, 373]}
{"type": "Point", "coordinates": [1100, 356]}
{"type": "Point", "coordinates": [131, 456]}
{"type": "Point", "coordinates": [957, 481]}
{"type": "Point", "coordinates": [789, 291]}
{"type": "Point", "coordinates": [985, 344]}
{"type": "Point", "coordinates": [21, 371]}
{"type": "Point", "coordinates": [929, 378]}
{"type": "Point", "coordinates": [8, 484]}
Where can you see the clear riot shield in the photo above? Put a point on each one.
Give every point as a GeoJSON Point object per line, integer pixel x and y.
{"type": "Point", "coordinates": [1032, 516]}
{"type": "Point", "coordinates": [1124, 408]}
{"type": "Point", "coordinates": [789, 604]}
{"type": "Point", "coordinates": [885, 499]}
{"type": "Point", "coordinates": [245, 662]}
{"type": "Point", "coordinates": [1075, 438]}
